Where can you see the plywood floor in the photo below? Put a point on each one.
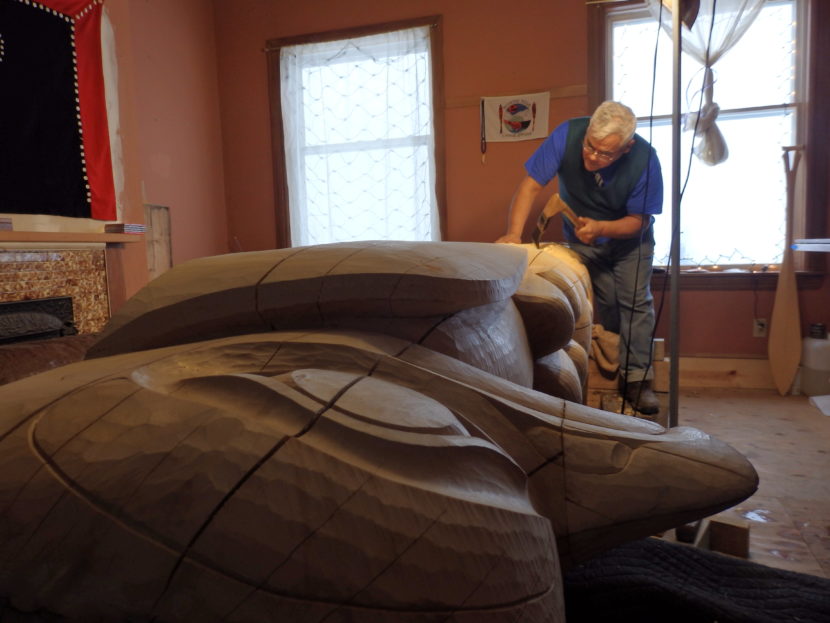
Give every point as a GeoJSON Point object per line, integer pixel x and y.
{"type": "Point", "coordinates": [788, 441]}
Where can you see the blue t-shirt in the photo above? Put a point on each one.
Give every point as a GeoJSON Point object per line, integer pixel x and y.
{"type": "Point", "coordinates": [645, 198]}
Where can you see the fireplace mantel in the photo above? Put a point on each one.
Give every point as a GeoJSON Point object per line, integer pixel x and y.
{"type": "Point", "coordinates": [64, 237]}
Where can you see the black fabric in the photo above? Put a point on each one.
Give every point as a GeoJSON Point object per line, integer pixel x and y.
{"type": "Point", "coordinates": [41, 170]}
{"type": "Point", "coordinates": [657, 581]}
{"type": "Point", "coordinates": [652, 581]}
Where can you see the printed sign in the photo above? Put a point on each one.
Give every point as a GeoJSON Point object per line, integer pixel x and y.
{"type": "Point", "coordinates": [515, 118]}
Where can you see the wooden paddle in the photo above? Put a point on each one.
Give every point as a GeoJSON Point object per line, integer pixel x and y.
{"type": "Point", "coordinates": [784, 344]}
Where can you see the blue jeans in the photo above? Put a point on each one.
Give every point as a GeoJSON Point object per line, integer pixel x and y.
{"type": "Point", "coordinates": [620, 273]}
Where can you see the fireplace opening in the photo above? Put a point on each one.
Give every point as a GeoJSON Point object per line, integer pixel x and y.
{"type": "Point", "coordinates": [36, 319]}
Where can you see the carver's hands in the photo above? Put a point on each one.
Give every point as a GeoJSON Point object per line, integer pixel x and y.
{"type": "Point", "coordinates": [510, 238]}
{"type": "Point", "coordinates": [588, 229]}
{"type": "Point", "coordinates": [629, 226]}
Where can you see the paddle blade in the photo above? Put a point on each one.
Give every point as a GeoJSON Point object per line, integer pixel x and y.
{"type": "Point", "coordinates": [784, 344]}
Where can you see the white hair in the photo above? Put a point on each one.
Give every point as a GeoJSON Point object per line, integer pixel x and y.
{"type": "Point", "coordinates": [613, 118]}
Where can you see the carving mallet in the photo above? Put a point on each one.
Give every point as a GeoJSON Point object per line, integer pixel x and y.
{"type": "Point", "coordinates": [554, 206]}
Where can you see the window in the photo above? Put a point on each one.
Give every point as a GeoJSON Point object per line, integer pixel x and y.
{"type": "Point", "coordinates": [733, 213]}
{"type": "Point", "coordinates": [358, 137]}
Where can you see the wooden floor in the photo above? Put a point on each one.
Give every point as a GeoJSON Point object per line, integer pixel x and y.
{"type": "Point", "coordinates": [788, 441]}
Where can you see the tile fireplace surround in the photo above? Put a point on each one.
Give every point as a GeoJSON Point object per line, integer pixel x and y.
{"type": "Point", "coordinates": [28, 274]}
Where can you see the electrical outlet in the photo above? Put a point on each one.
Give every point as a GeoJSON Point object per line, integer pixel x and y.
{"type": "Point", "coordinates": [759, 327]}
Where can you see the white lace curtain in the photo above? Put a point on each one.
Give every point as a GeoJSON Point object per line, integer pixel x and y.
{"type": "Point", "coordinates": [359, 145]}
{"type": "Point", "coordinates": [719, 25]}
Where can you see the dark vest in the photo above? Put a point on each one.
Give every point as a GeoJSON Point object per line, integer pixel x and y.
{"type": "Point", "coordinates": [579, 188]}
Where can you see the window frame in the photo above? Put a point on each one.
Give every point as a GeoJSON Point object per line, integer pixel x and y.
{"type": "Point", "coordinates": [813, 122]}
{"type": "Point", "coordinates": [272, 51]}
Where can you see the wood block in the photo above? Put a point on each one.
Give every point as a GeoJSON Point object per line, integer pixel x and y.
{"type": "Point", "coordinates": [702, 536]}
{"type": "Point", "coordinates": [687, 533]}
{"type": "Point", "coordinates": [660, 383]}
{"type": "Point", "coordinates": [729, 535]}
{"type": "Point", "coordinates": [658, 349]}
{"type": "Point", "coordinates": [158, 240]}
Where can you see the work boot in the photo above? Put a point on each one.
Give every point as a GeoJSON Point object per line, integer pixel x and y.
{"type": "Point", "coordinates": [641, 397]}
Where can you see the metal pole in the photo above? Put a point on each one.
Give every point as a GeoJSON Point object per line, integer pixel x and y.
{"type": "Point", "coordinates": [674, 334]}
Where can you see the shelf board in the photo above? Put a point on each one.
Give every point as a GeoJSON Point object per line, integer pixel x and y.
{"type": "Point", "coordinates": [814, 244]}
{"type": "Point", "coordinates": [58, 237]}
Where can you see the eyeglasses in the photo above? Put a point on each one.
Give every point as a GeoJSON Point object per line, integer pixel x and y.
{"type": "Point", "coordinates": [604, 156]}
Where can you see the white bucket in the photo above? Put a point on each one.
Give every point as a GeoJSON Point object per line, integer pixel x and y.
{"type": "Point", "coordinates": [815, 362]}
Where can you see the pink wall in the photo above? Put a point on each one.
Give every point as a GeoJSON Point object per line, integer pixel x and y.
{"type": "Point", "coordinates": [490, 48]}
{"type": "Point", "coordinates": [719, 322]}
{"type": "Point", "coordinates": [126, 266]}
{"type": "Point", "coordinates": [176, 93]}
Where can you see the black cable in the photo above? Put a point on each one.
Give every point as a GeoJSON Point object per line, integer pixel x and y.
{"type": "Point", "coordinates": [702, 90]}
{"type": "Point", "coordinates": [642, 229]}
{"type": "Point", "coordinates": [675, 226]}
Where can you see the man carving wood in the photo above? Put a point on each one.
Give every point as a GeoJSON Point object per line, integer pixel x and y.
{"type": "Point", "coordinates": [612, 180]}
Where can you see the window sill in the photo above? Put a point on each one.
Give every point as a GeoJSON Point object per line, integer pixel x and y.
{"type": "Point", "coordinates": [806, 280]}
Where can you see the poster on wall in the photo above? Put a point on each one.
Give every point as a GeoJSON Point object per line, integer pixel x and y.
{"type": "Point", "coordinates": [515, 117]}
{"type": "Point", "coordinates": [55, 153]}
